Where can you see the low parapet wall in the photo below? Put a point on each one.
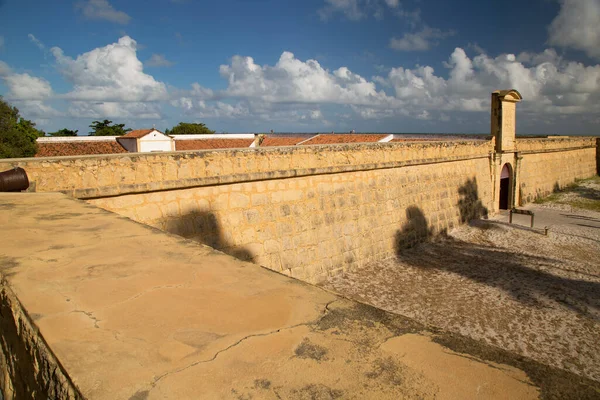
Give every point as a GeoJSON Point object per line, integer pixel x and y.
{"type": "Point", "coordinates": [313, 211]}
{"type": "Point", "coordinates": [112, 175]}
{"type": "Point", "coordinates": [543, 145]}
{"type": "Point", "coordinates": [548, 165]}
{"type": "Point", "coordinates": [313, 226]}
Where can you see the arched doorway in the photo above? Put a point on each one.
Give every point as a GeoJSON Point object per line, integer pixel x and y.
{"type": "Point", "coordinates": [505, 186]}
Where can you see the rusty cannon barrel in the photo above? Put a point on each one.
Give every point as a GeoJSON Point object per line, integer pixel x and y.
{"type": "Point", "coordinates": [14, 180]}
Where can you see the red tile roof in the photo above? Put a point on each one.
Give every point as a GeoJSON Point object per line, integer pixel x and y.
{"type": "Point", "coordinates": [78, 148]}
{"type": "Point", "coordinates": [410, 140]}
{"type": "Point", "coordinates": [204, 144]}
{"type": "Point", "coordinates": [344, 138]}
{"type": "Point", "coordinates": [137, 133]}
{"type": "Point", "coordinates": [281, 141]}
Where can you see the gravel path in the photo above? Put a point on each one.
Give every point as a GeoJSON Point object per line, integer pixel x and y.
{"type": "Point", "coordinates": [512, 287]}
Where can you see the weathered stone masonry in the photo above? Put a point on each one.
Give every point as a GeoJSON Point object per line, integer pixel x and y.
{"type": "Point", "coordinates": [313, 211]}
{"type": "Point", "coordinates": [549, 164]}
{"type": "Point", "coordinates": [345, 210]}
{"type": "Point", "coordinates": [28, 368]}
{"type": "Point", "coordinates": [314, 225]}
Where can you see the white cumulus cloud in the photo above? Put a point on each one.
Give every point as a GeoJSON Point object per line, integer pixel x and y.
{"type": "Point", "coordinates": [293, 80]}
{"type": "Point", "coordinates": [297, 89]}
{"type": "Point", "coordinates": [577, 26]}
{"type": "Point", "coordinates": [218, 109]}
{"type": "Point", "coordinates": [24, 86]}
{"type": "Point", "coordinates": [112, 73]}
{"type": "Point", "coordinates": [27, 87]}
{"type": "Point", "coordinates": [37, 110]}
{"type": "Point", "coordinates": [29, 93]}
{"type": "Point", "coordinates": [547, 83]}
{"type": "Point", "coordinates": [102, 10]}
{"type": "Point", "coordinates": [110, 82]}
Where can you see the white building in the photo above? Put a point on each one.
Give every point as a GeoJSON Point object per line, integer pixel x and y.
{"type": "Point", "coordinates": [146, 140]}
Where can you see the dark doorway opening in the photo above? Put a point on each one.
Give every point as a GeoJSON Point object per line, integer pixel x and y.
{"type": "Point", "coordinates": [505, 178]}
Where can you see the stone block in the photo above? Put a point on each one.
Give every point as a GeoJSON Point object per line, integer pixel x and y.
{"type": "Point", "coordinates": [259, 199]}
{"type": "Point", "coordinates": [171, 210]}
{"type": "Point", "coordinates": [238, 200]}
{"type": "Point", "coordinates": [188, 206]}
{"type": "Point", "coordinates": [248, 236]}
{"type": "Point", "coordinates": [252, 216]}
{"type": "Point", "coordinates": [203, 205]}
{"type": "Point", "coordinates": [272, 246]}
{"type": "Point", "coordinates": [292, 195]}
{"type": "Point", "coordinates": [235, 218]}
{"type": "Point", "coordinates": [221, 202]}
{"type": "Point", "coordinates": [284, 229]}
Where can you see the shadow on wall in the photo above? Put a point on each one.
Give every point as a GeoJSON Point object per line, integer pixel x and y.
{"type": "Point", "coordinates": [204, 227]}
{"type": "Point", "coordinates": [527, 279]}
{"type": "Point", "coordinates": [417, 229]}
{"type": "Point", "coordinates": [469, 205]}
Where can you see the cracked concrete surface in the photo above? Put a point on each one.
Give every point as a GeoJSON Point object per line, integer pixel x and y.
{"type": "Point", "coordinates": [133, 313]}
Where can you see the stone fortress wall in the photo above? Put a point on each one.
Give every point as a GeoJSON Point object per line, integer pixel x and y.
{"type": "Point", "coordinates": [317, 210]}
{"type": "Point", "coordinates": [312, 211]}
{"type": "Point", "coordinates": [313, 225]}
{"type": "Point", "coordinates": [550, 164]}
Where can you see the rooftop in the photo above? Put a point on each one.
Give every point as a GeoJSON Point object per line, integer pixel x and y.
{"type": "Point", "coordinates": [344, 138]}
{"type": "Point", "coordinates": [75, 148]}
{"type": "Point", "coordinates": [281, 141]}
{"type": "Point", "coordinates": [205, 144]}
{"type": "Point", "coordinates": [139, 133]}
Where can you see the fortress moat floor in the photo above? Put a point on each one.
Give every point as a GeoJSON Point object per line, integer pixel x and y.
{"type": "Point", "coordinates": [505, 285]}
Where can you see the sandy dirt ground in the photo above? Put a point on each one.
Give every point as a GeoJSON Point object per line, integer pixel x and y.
{"type": "Point", "coordinates": [505, 285]}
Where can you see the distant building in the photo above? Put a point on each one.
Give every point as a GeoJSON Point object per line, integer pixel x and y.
{"type": "Point", "coordinates": [153, 140]}
{"type": "Point", "coordinates": [146, 140]}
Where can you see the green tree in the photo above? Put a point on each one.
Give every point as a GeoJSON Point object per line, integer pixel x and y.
{"type": "Point", "coordinates": [185, 128]}
{"type": "Point", "coordinates": [104, 128]}
{"type": "Point", "coordinates": [64, 132]}
{"type": "Point", "coordinates": [17, 135]}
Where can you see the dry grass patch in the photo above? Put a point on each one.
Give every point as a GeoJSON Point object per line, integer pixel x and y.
{"type": "Point", "coordinates": [584, 194]}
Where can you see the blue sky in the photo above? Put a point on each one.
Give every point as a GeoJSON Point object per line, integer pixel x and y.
{"type": "Point", "coordinates": [302, 66]}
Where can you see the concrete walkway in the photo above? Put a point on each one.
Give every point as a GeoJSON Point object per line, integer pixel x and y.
{"type": "Point", "coordinates": [130, 312]}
